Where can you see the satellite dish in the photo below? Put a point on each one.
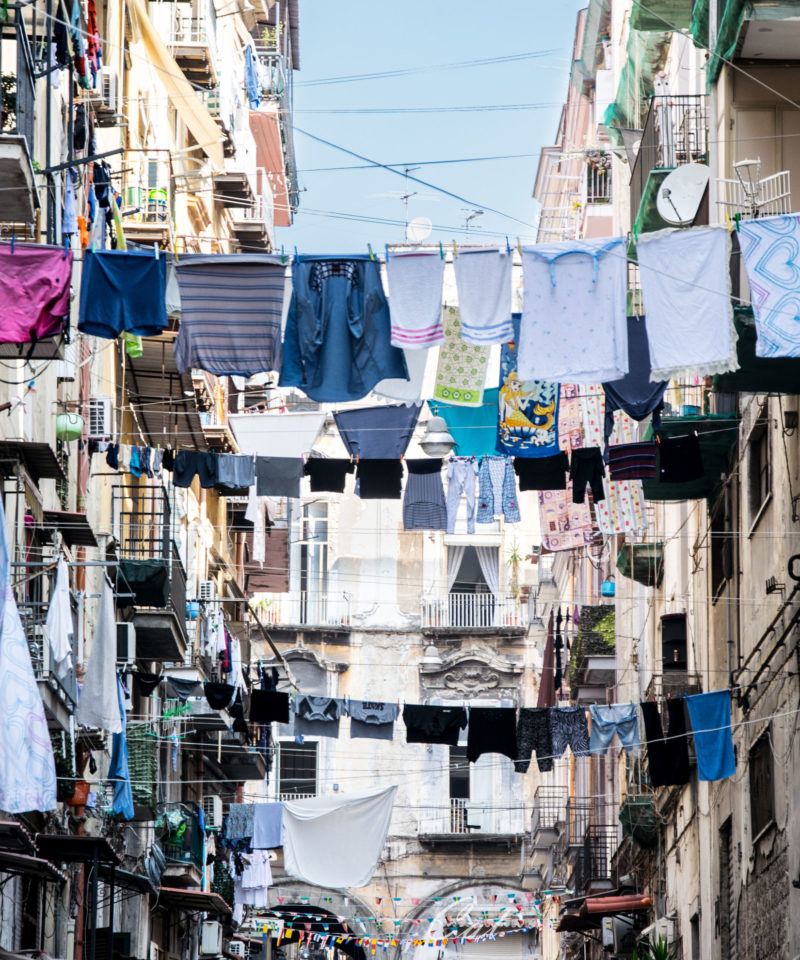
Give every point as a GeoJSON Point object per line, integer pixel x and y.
{"type": "Point", "coordinates": [680, 194]}
{"type": "Point", "coordinates": [419, 229]}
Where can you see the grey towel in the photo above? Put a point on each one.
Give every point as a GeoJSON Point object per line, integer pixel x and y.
{"type": "Point", "coordinates": [278, 476]}
{"type": "Point", "coordinates": [235, 472]}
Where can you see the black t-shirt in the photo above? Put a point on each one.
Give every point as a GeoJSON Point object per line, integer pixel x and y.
{"type": "Point", "coordinates": [380, 479]}
{"type": "Point", "coordinates": [327, 475]}
{"type": "Point", "coordinates": [433, 724]}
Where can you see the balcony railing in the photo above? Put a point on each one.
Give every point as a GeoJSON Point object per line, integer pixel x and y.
{"type": "Point", "coordinates": [579, 814]}
{"type": "Point", "coordinates": [305, 607]}
{"type": "Point", "coordinates": [593, 866]}
{"type": "Point", "coordinates": [464, 816]}
{"type": "Point", "coordinates": [33, 615]}
{"type": "Point", "coordinates": [189, 30]}
{"type": "Point", "coordinates": [675, 132]}
{"type": "Point", "coordinates": [549, 808]}
{"type": "Point", "coordinates": [473, 610]}
{"type": "Point", "coordinates": [181, 836]}
{"type": "Point", "coordinates": [598, 185]}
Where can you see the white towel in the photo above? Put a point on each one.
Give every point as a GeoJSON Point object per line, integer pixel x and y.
{"type": "Point", "coordinates": [483, 280]}
{"type": "Point", "coordinates": [406, 391]}
{"type": "Point", "coordinates": [336, 841]}
{"type": "Point", "coordinates": [574, 326]}
{"type": "Point", "coordinates": [415, 299]}
{"type": "Point", "coordinates": [59, 621]}
{"type": "Point", "coordinates": [687, 300]}
{"type": "Point", "coordinates": [98, 705]}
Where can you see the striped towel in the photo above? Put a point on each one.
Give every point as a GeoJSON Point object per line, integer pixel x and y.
{"type": "Point", "coordinates": [231, 308]}
{"type": "Point", "coordinates": [483, 280]}
{"type": "Point", "coordinates": [415, 299]}
{"type": "Point", "coordinates": [632, 461]}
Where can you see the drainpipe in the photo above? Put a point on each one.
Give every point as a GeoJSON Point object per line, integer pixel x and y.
{"type": "Point", "coordinates": [713, 148]}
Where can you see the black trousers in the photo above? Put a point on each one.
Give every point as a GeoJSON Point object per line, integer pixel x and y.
{"type": "Point", "coordinates": [586, 466]}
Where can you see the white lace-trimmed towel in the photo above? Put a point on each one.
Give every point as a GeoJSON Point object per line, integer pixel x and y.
{"type": "Point", "coordinates": [687, 300]}
{"type": "Point", "coordinates": [771, 253]}
{"type": "Point", "coordinates": [483, 281]}
{"type": "Point", "coordinates": [415, 299]}
{"type": "Point", "coordinates": [574, 324]}
{"type": "Point", "coordinates": [99, 704]}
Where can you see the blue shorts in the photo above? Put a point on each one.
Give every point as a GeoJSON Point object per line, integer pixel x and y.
{"type": "Point", "coordinates": [123, 291]}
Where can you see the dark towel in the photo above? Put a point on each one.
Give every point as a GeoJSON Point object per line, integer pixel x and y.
{"type": "Point", "coordinates": [327, 475]}
{"type": "Point", "coordinates": [433, 724]}
{"type": "Point", "coordinates": [146, 683]}
{"type": "Point", "coordinates": [278, 476]}
{"type": "Point", "coordinates": [267, 706]}
{"type": "Point", "coordinates": [632, 461]}
{"type": "Point", "coordinates": [380, 479]}
{"type": "Point", "coordinates": [219, 695]}
{"type": "Point", "coordinates": [636, 394]}
{"type": "Point", "coordinates": [542, 473]}
{"type": "Point", "coordinates": [534, 735]}
{"type": "Point", "coordinates": [193, 463]}
{"type": "Point", "coordinates": [183, 689]}
{"type": "Point", "coordinates": [679, 459]}
{"type": "Point", "coordinates": [668, 758]}
{"type": "Point", "coordinates": [492, 730]}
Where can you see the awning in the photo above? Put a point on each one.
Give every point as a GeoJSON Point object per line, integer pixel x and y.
{"type": "Point", "coordinates": [127, 880]}
{"type": "Point", "coordinates": [276, 434]}
{"type": "Point", "coordinates": [608, 906]}
{"type": "Point", "coordinates": [37, 458]}
{"type": "Point", "coordinates": [717, 434]}
{"type": "Point", "coordinates": [757, 374]}
{"type": "Point", "coordinates": [15, 838]}
{"type": "Point", "coordinates": [23, 865]}
{"type": "Point", "coordinates": [194, 900]}
{"type": "Point", "coordinates": [270, 157]}
{"type": "Point", "coordinates": [642, 562]}
{"type": "Point", "coordinates": [66, 848]}
{"type": "Point", "coordinates": [186, 101]}
{"type": "Point", "coordinates": [164, 398]}
{"type": "Point", "coordinates": [73, 527]}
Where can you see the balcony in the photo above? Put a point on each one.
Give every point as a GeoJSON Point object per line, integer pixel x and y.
{"type": "Point", "coordinates": [181, 839]}
{"type": "Point", "coordinates": [304, 608]}
{"type": "Point", "coordinates": [252, 224]}
{"type": "Point", "coordinates": [549, 810]}
{"type": "Point", "coordinates": [20, 199]}
{"type": "Point", "coordinates": [674, 683]}
{"type": "Point", "coordinates": [579, 815]}
{"type": "Point", "coordinates": [59, 693]}
{"type": "Point", "coordinates": [473, 611]}
{"type": "Point", "coordinates": [675, 133]}
{"type": "Point", "coordinates": [592, 872]}
{"type": "Point", "coordinates": [483, 822]}
{"type": "Point", "coordinates": [192, 45]}
{"type": "Point", "coordinates": [147, 214]}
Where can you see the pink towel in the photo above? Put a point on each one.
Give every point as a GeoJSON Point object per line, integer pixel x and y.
{"type": "Point", "coordinates": [34, 292]}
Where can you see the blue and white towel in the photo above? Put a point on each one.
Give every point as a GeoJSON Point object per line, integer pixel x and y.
{"type": "Point", "coordinates": [771, 253]}
{"type": "Point", "coordinates": [415, 299]}
{"type": "Point", "coordinates": [483, 281]}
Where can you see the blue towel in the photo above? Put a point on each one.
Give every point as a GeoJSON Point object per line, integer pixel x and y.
{"type": "Point", "coordinates": [474, 429]}
{"type": "Point", "coordinates": [267, 826]}
{"type": "Point", "coordinates": [118, 771]}
{"type": "Point", "coordinates": [377, 433]}
{"type": "Point", "coordinates": [710, 717]}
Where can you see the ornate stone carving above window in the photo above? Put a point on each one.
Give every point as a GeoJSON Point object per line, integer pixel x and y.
{"type": "Point", "coordinates": [472, 675]}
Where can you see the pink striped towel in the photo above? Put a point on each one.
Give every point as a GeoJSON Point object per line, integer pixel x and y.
{"type": "Point", "coordinates": [415, 299]}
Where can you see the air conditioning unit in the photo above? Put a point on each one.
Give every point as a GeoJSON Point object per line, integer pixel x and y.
{"type": "Point", "coordinates": [126, 644]}
{"type": "Point", "coordinates": [108, 85]}
{"type": "Point", "coordinates": [211, 938]}
{"type": "Point", "coordinates": [100, 416]}
{"type": "Point", "coordinates": [624, 935]}
{"type": "Point", "coordinates": [208, 590]}
{"type": "Point", "coordinates": [212, 811]}
{"type": "Point", "coordinates": [237, 948]}
{"type": "Point", "coordinates": [663, 929]}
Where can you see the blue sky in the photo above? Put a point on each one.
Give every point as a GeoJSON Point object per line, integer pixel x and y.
{"type": "Point", "coordinates": [356, 37]}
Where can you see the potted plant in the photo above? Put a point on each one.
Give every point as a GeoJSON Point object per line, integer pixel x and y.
{"type": "Point", "coordinates": [8, 109]}
{"type": "Point", "coordinates": [660, 950]}
{"type": "Point", "coordinates": [514, 560]}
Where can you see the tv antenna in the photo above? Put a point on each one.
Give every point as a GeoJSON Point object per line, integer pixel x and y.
{"type": "Point", "coordinates": [470, 216]}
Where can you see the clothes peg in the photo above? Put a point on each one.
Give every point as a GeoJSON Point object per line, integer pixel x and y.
{"type": "Point", "coordinates": [386, 251]}
{"type": "Point", "coordinates": [371, 254]}
{"type": "Point", "coordinates": [508, 246]}
{"type": "Point", "coordinates": [441, 250]}
{"type": "Point", "coordinates": [155, 251]}
{"type": "Point", "coordinates": [455, 251]}
{"type": "Point", "coordinates": [13, 241]}
{"type": "Point", "coordinates": [283, 254]}
{"type": "Point", "coordinates": [736, 218]}
{"type": "Point", "coordinates": [728, 222]}
{"type": "Point", "coordinates": [296, 254]}
{"type": "Point", "coordinates": [66, 248]}
{"type": "Point", "coordinates": [519, 246]}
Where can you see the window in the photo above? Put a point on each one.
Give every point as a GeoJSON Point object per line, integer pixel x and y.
{"type": "Point", "coordinates": [298, 769]}
{"type": "Point", "coordinates": [459, 774]}
{"type": "Point", "coordinates": [761, 804]}
{"type": "Point", "coordinates": [726, 910]}
{"type": "Point", "coordinates": [758, 471]}
{"type": "Point", "coordinates": [721, 548]}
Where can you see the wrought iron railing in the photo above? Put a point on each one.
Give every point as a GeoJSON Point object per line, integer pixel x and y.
{"type": "Point", "coordinates": [579, 814]}
{"type": "Point", "coordinates": [549, 808]}
{"type": "Point", "coordinates": [466, 816]}
{"type": "Point", "coordinates": [593, 866]}
{"type": "Point", "coordinates": [675, 132]}
{"type": "Point", "coordinates": [473, 610]}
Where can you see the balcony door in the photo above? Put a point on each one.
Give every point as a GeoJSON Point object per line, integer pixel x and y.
{"type": "Point", "coordinates": [472, 588]}
{"type": "Point", "coordinates": [314, 564]}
